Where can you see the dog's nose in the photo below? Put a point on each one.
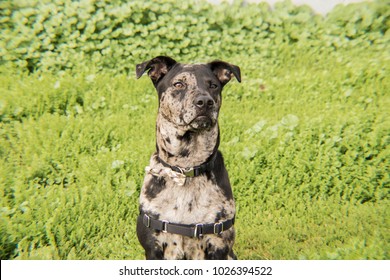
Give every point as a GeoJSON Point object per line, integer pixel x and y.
{"type": "Point", "coordinates": [204, 101]}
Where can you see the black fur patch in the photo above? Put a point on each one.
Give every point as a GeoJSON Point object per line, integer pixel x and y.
{"type": "Point", "coordinates": [221, 215]}
{"type": "Point", "coordinates": [221, 177]}
{"type": "Point", "coordinates": [186, 137]}
{"type": "Point", "coordinates": [184, 153]}
{"type": "Point", "coordinates": [217, 254]}
{"type": "Point", "coordinates": [154, 187]}
{"type": "Point", "coordinates": [190, 207]}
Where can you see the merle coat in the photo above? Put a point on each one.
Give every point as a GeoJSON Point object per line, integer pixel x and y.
{"type": "Point", "coordinates": [187, 135]}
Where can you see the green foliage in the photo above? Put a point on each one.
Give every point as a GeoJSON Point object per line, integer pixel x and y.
{"type": "Point", "coordinates": [305, 137]}
{"type": "Point", "coordinates": [62, 34]}
{"type": "Point", "coordinates": [70, 164]}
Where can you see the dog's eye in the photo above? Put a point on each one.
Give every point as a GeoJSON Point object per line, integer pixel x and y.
{"type": "Point", "coordinates": [179, 85]}
{"type": "Point", "coordinates": [213, 86]}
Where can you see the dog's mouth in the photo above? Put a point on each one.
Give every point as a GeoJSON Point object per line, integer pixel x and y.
{"type": "Point", "coordinates": [202, 122]}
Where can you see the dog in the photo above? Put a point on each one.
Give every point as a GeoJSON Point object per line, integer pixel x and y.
{"type": "Point", "coordinates": [187, 209]}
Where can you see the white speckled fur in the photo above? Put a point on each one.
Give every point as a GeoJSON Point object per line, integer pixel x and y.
{"type": "Point", "coordinates": [173, 202]}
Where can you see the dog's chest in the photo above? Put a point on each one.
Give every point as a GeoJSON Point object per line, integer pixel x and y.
{"type": "Point", "coordinates": [198, 201]}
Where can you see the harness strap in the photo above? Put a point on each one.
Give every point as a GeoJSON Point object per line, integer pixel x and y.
{"type": "Point", "coordinates": [192, 230]}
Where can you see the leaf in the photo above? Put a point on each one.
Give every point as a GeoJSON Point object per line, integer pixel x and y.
{"type": "Point", "coordinates": [290, 122]}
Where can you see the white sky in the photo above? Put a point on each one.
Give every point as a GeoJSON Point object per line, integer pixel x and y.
{"type": "Point", "coordinates": [320, 6]}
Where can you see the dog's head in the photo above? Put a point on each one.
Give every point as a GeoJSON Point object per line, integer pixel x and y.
{"type": "Point", "coordinates": [189, 94]}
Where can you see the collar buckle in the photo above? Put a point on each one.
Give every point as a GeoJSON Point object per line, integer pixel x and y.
{"type": "Point", "coordinates": [188, 172]}
{"type": "Point", "coordinates": [164, 226]}
{"type": "Point", "coordinates": [218, 228]}
{"type": "Point", "coordinates": [198, 232]}
{"type": "Point", "coordinates": [146, 220]}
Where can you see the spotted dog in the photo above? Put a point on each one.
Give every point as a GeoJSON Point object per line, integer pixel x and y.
{"type": "Point", "coordinates": [187, 208]}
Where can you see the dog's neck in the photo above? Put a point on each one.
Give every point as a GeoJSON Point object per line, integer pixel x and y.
{"type": "Point", "coordinates": [184, 148]}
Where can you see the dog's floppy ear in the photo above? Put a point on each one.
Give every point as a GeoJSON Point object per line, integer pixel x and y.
{"type": "Point", "coordinates": [225, 71]}
{"type": "Point", "coordinates": [159, 66]}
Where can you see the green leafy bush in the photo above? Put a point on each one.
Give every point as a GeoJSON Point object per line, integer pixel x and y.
{"type": "Point", "coordinates": [65, 34]}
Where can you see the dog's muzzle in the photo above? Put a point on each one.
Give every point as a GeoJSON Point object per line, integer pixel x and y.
{"type": "Point", "coordinates": [202, 122]}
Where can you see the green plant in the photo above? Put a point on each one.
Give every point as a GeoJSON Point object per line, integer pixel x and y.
{"type": "Point", "coordinates": [305, 137]}
{"type": "Point", "coordinates": [58, 35]}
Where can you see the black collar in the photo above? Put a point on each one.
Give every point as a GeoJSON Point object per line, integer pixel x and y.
{"type": "Point", "coordinates": [193, 171]}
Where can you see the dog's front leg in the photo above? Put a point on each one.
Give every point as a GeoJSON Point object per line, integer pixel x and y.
{"type": "Point", "coordinates": [148, 240]}
{"type": "Point", "coordinates": [220, 247]}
